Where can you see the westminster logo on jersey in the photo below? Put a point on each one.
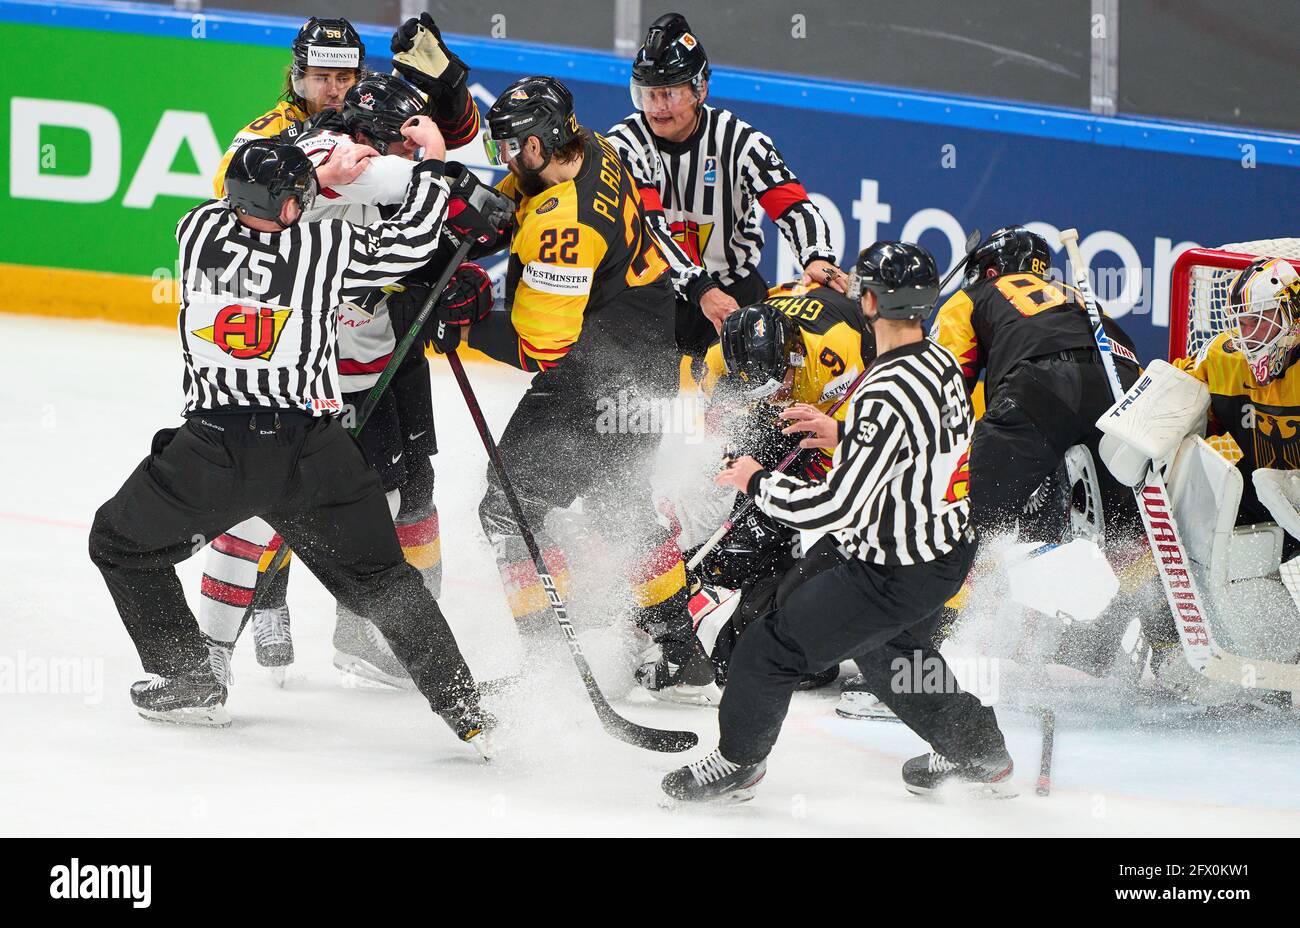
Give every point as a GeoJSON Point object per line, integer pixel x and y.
{"type": "Point", "coordinates": [243, 334]}
{"type": "Point", "coordinates": [693, 237]}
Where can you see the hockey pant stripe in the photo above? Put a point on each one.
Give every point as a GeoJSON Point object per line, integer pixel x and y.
{"type": "Point", "coordinates": [421, 542]}
{"type": "Point", "coordinates": [524, 590]}
{"type": "Point", "coordinates": [660, 576]}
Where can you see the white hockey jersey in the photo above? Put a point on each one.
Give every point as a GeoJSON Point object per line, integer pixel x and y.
{"type": "Point", "coordinates": [365, 335]}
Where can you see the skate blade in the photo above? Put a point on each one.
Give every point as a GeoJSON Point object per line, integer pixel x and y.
{"type": "Point", "coordinates": [361, 674]}
{"type": "Point", "coordinates": [859, 715]}
{"type": "Point", "coordinates": [485, 744]}
{"type": "Point", "coordinates": [214, 717]}
{"type": "Point", "coordinates": [966, 791]}
{"type": "Point", "coordinates": [704, 696]}
{"type": "Point", "coordinates": [733, 798]}
{"type": "Point", "coordinates": [278, 676]}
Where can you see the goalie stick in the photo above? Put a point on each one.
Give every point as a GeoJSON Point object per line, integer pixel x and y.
{"type": "Point", "coordinates": [1191, 617]}
{"type": "Point", "coordinates": [652, 739]}
{"type": "Point", "coordinates": [715, 539]}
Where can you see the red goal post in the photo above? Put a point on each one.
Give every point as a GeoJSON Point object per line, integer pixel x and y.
{"type": "Point", "coordinates": [1198, 291]}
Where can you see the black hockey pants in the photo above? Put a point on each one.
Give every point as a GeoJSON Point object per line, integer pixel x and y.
{"type": "Point", "coordinates": [305, 476]}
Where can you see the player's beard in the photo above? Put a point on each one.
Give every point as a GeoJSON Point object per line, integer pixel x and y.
{"type": "Point", "coordinates": [530, 179]}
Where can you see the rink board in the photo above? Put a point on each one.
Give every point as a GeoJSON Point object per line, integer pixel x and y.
{"type": "Point", "coordinates": [102, 193]}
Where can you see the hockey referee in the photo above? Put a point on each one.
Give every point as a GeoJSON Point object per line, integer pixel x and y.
{"type": "Point", "coordinates": [262, 435]}
{"type": "Point", "coordinates": [702, 173]}
{"type": "Point", "coordinates": [894, 503]}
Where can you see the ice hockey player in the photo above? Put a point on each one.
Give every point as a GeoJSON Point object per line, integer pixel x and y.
{"type": "Point", "coordinates": [589, 308]}
{"type": "Point", "coordinates": [257, 330]}
{"type": "Point", "coordinates": [329, 58]}
{"type": "Point", "coordinates": [902, 533]}
{"type": "Point", "coordinates": [1245, 384]}
{"type": "Point", "coordinates": [702, 171]}
{"type": "Point", "coordinates": [1044, 384]}
{"type": "Point", "coordinates": [802, 345]}
{"type": "Point", "coordinates": [398, 437]}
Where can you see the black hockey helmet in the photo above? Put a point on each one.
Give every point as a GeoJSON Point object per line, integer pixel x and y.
{"type": "Point", "coordinates": [531, 106]}
{"type": "Point", "coordinates": [756, 344]}
{"type": "Point", "coordinates": [327, 43]}
{"type": "Point", "coordinates": [264, 173]}
{"type": "Point", "coordinates": [670, 55]}
{"type": "Point", "coordinates": [377, 105]}
{"type": "Point", "coordinates": [903, 277]}
{"type": "Point", "coordinates": [1009, 250]}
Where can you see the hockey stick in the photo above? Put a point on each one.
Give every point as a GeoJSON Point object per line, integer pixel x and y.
{"type": "Point", "coordinates": [652, 739]}
{"type": "Point", "coordinates": [1191, 617]}
{"type": "Point", "coordinates": [261, 589]}
{"type": "Point", "coordinates": [715, 539]}
{"type": "Point", "coordinates": [1044, 786]}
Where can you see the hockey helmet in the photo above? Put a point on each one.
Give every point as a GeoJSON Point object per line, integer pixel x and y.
{"type": "Point", "coordinates": [671, 56]}
{"type": "Point", "coordinates": [264, 173]}
{"type": "Point", "coordinates": [378, 105]}
{"type": "Point", "coordinates": [531, 106]}
{"type": "Point", "coordinates": [901, 275]}
{"type": "Point", "coordinates": [756, 343]}
{"type": "Point", "coordinates": [1009, 250]}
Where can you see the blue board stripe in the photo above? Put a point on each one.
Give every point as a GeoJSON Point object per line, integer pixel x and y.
{"type": "Point", "coordinates": [731, 84]}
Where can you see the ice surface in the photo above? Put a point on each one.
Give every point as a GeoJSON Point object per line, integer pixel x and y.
{"type": "Point", "coordinates": [80, 402]}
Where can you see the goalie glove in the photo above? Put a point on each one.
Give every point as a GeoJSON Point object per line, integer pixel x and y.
{"type": "Point", "coordinates": [420, 56]}
{"type": "Point", "coordinates": [1151, 420]}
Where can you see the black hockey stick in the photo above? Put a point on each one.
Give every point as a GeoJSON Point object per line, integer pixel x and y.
{"type": "Point", "coordinates": [652, 739]}
{"type": "Point", "coordinates": [263, 586]}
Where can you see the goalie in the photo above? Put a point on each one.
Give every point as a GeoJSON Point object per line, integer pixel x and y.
{"type": "Point", "coordinates": [1238, 523]}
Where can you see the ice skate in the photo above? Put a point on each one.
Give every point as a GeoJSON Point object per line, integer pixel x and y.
{"type": "Point", "coordinates": [713, 778]}
{"type": "Point", "coordinates": [857, 702]}
{"type": "Point", "coordinates": [273, 641]}
{"type": "Point", "coordinates": [194, 698]}
{"type": "Point", "coordinates": [363, 656]}
{"type": "Point", "coordinates": [989, 777]}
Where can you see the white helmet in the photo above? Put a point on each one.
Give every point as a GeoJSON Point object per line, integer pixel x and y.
{"type": "Point", "coordinates": [1264, 306]}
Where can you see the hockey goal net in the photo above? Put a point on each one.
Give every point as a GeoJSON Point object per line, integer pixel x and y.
{"type": "Point", "coordinates": [1198, 294]}
{"type": "Point", "coordinates": [1198, 297]}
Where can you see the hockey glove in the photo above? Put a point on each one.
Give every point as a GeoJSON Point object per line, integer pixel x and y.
{"type": "Point", "coordinates": [420, 56]}
{"type": "Point", "coordinates": [477, 212]}
{"type": "Point", "coordinates": [467, 298]}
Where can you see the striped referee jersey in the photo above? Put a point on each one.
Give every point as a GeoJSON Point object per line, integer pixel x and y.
{"type": "Point", "coordinates": [701, 197]}
{"type": "Point", "coordinates": [259, 310]}
{"type": "Point", "coordinates": [896, 490]}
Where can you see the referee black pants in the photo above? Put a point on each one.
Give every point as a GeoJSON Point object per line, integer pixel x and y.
{"type": "Point", "coordinates": [306, 476]}
{"type": "Point", "coordinates": [885, 618]}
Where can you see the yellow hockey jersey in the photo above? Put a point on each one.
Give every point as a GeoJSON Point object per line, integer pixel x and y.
{"type": "Point", "coordinates": [577, 245]}
{"type": "Point", "coordinates": [1263, 421]}
{"type": "Point", "coordinates": [271, 123]}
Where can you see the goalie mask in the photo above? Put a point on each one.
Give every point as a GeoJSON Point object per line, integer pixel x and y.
{"type": "Point", "coordinates": [1264, 308]}
{"type": "Point", "coordinates": [756, 347]}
